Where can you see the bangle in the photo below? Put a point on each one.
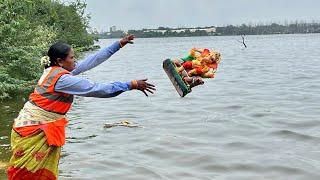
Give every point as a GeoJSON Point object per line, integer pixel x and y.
{"type": "Point", "coordinates": [134, 84]}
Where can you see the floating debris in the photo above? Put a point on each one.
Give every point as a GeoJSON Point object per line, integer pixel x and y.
{"type": "Point", "coordinates": [124, 123]}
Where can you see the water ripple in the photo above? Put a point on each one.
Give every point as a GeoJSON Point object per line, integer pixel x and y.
{"type": "Point", "coordinates": [294, 135]}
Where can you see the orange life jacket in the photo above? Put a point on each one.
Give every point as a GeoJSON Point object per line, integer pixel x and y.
{"type": "Point", "coordinates": [46, 98]}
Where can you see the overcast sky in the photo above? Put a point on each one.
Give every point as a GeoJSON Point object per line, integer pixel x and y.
{"type": "Point", "coordinates": [138, 14]}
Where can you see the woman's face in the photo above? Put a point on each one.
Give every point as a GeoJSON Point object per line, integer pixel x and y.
{"type": "Point", "coordinates": [69, 62]}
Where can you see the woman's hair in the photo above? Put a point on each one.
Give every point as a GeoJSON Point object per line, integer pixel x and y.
{"type": "Point", "coordinates": [58, 50]}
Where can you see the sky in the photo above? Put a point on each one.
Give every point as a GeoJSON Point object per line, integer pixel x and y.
{"type": "Point", "coordinates": [138, 14]}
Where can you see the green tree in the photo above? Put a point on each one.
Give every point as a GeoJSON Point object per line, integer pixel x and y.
{"type": "Point", "coordinates": [27, 29]}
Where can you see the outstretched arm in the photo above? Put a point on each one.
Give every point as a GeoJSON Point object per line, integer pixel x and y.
{"type": "Point", "coordinates": [101, 56]}
{"type": "Point", "coordinates": [82, 87]}
{"type": "Point", "coordinates": [95, 59]}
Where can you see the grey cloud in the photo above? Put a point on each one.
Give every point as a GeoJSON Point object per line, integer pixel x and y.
{"type": "Point", "coordinates": [137, 14]}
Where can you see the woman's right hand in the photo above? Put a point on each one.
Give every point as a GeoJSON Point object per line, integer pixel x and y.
{"type": "Point", "coordinates": [143, 86]}
{"type": "Point", "coordinates": [128, 39]}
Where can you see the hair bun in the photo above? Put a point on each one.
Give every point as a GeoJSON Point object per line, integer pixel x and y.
{"type": "Point", "coordinates": [45, 61]}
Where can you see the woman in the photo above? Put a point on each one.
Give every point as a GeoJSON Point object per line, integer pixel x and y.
{"type": "Point", "coordinates": [39, 130]}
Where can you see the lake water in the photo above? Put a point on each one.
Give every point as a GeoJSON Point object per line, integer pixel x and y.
{"type": "Point", "coordinates": [258, 119]}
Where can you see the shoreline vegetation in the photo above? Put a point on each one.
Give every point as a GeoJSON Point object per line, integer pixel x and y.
{"type": "Point", "coordinates": [27, 29]}
{"type": "Point", "coordinates": [229, 30]}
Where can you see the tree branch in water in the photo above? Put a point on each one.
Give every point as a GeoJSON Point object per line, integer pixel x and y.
{"type": "Point", "coordinates": [244, 44]}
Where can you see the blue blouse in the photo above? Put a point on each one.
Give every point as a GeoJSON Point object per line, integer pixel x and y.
{"type": "Point", "coordinates": [71, 84]}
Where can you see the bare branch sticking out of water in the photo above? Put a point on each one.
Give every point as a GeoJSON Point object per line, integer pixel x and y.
{"type": "Point", "coordinates": [244, 44]}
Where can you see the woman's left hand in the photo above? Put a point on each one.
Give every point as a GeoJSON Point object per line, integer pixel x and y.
{"type": "Point", "coordinates": [128, 39]}
{"type": "Point", "coordinates": [144, 86]}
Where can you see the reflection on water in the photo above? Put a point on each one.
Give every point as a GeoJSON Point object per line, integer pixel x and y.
{"type": "Point", "coordinates": [258, 119]}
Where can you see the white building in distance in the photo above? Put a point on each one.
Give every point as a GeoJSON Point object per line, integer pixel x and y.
{"type": "Point", "coordinates": [113, 29]}
{"type": "Point", "coordinates": [211, 30]}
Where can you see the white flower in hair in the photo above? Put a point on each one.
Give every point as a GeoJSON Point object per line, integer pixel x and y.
{"type": "Point", "coordinates": [45, 61]}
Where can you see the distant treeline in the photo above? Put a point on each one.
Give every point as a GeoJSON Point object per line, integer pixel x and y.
{"type": "Point", "coordinates": [273, 28]}
{"type": "Point", "coordinates": [27, 29]}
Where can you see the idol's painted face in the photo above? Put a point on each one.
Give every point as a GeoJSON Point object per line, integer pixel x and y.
{"type": "Point", "coordinates": [214, 57]}
{"type": "Point", "coordinates": [69, 62]}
